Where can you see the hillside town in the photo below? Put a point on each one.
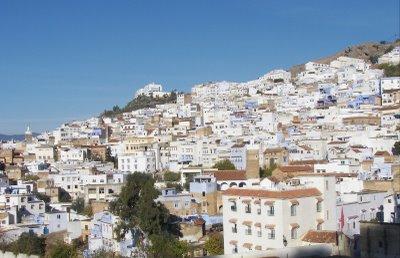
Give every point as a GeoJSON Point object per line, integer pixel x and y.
{"type": "Point", "coordinates": [273, 167]}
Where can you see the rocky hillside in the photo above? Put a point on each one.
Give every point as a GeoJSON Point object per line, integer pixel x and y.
{"type": "Point", "coordinates": [367, 51]}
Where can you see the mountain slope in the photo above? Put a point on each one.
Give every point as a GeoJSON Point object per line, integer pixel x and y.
{"type": "Point", "coordinates": [369, 51]}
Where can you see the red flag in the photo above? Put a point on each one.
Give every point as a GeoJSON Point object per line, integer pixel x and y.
{"type": "Point", "coordinates": [341, 220]}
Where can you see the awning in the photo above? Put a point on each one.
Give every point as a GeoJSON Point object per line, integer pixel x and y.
{"type": "Point", "coordinates": [269, 203]}
{"type": "Point", "coordinates": [258, 224]}
{"type": "Point", "coordinates": [294, 225]}
{"type": "Point", "coordinates": [320, 199]}
{"type": "Point", "coordinates": [258, 247]}
{"type": "Point", "coordinates": [320, 221]}
{"type": "Point", "coordinates": [246, 201]}
{"type": "Point", "coordinates": [270, 226]}
{"type": "Point", "coordinates": [233, 220]}
{"type": "Point", "coordinates": [247, 223]}
{"type": "Point", "coordinates": [247, 245]}
{"type": "Point", "coordinates": [257, 202]}
{"type": "Point", "coordinates": [294, 201]}
{"type": "Point", "coordinates": [233, 242]}
{"type": "Point", "coordinates": [352, 217]}
{"type": "Point", "coordinates": [232, 199]}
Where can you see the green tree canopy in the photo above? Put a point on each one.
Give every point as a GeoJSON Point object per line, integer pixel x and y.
{"type": "Point", "coordinates": [138, 210]}
{"type": "Point", "coordinates": [29, 243]}
{"type": "Point", "coordinates": [225, 164]}
{"type": "Point", "coordinates": [63, 196]}
{"type": "Point", "coordinates": [172, 177]}
{"type": "Point", "coordinates": [390, 70]}
{"type": "Point", "coordinates": [78, 205]}
{"type": "Point", "coordinates": [167, 246]}
{"type": "Point", "coordinates": [214, 244]}
{"type": "Point", "coordinates": [62, 250]}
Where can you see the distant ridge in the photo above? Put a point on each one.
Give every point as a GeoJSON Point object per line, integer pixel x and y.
{"type": "Point", "coordinates": [368, 51]}
{"type": "Point", "coordinates": [16, 137]}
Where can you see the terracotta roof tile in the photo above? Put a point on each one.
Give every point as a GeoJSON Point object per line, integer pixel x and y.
{"type": "Point", "coordinates": [225, 175]}
{"type": "Point", "coordinates": [296, 169]}
{"type": "Point", "coordinates": [261, 193]}
{"type": "Point", "coordinates": [320, 236]}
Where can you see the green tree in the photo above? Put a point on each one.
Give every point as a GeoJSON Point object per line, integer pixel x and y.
{"type": "Point", "coordinates": [78, 205]}
{"type": "Point", "coordinates": [266, 172]}
{"type": "Point", "coordinates": [88, 211]}
{"type": "Point", "coordinates": [390, 70]}
{"type": "Point", "coordinates": [138, 211]}
{"type": "Point", "coordinates": [172, 177]}
{"type": "Point", "coordinates": [374, 59]}
{"type": "Point", "coordinates": [43, 197]}
{"type": "Point", "coordinates": [214, 244]}
{"type": "Point", "coordinates": [63, 196]}
{"type": "Point", "coordinates": [396, 148]}
{"type": "Point", "coordinates": [178, 187]}
{"type": "Point", "coordinates": [102, 253]}
{"type": "Point", "coordinates": [225, 164]}
{"type": "Point", "coordinates": [167, 246]}
{"type": "Point", "coordinates": [61, 250]}
{"type": "Point", "coordinates": [29, 243]}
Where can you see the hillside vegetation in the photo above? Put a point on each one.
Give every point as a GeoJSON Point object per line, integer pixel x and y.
{"type": "Point", "coordinates": [141, 102]}
{"type": "Point", "coordinates": [390, 70]}
{"type": "Point", "coordinates": [370, 51]}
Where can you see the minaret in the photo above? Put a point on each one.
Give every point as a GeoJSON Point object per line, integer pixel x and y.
{"type": "Point", "coordinates": [28, 135]}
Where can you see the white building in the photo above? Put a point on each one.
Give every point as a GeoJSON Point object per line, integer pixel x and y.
{"type": "Point", "coordinates": [259, 219]}
{"type": "Point", "coordinates": [144, 161]}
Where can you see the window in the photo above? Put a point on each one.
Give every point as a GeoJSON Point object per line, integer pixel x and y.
{"type": "Point", "coordinates": [204, 193]}
{"type": "Point", "coordinates": [259, 210]}
{"type": "Point", "coordinates": [293, 233]}
{"type": "Point", "coordinates": [247, 230]}
{"type": "Point", "coordinates": [247, 208]}
{"type": "Point", "coordinates": [259, 233]}
{"type": "Point", "coordinates": [319, 206]}
{"type": "Point", "coordinates": [235, 250]}
{"type": "Point", "coordinates": [354, 224]}
{"type": "Point", "coordinates": [233, 207]}
{"type": "Point", "coordinates": [58, 216]}
{"type": "Point", "coordinates": [293, 209]}
{"type": "Point", "coordinates": [319, 226]}
{"type": "Point", "coordinates": [326, 185]}
{"type": "Point", "coordinates": [271, 210]}
{"type": "Point", "coordinates": [271, 233]}
{"type": "Point", "coordinates": [234, 228]}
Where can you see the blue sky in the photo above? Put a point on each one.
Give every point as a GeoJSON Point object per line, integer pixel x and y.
{"type": "Point", "coordinates": [64, 60]}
